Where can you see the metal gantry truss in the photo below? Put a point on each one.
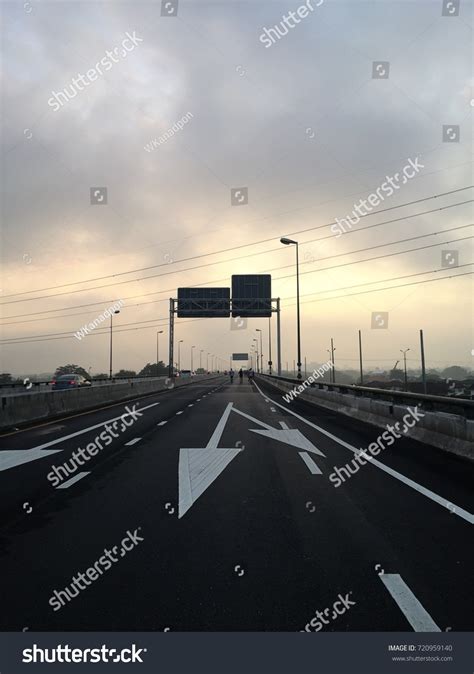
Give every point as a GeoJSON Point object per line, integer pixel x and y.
{"type": "Point", "coordinates": [198, 306]}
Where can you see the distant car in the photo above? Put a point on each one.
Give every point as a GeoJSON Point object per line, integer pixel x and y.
{"type": "Point", "coordinates": [66, 381]}
{"type": "Point", "coordinates": [186, 373]}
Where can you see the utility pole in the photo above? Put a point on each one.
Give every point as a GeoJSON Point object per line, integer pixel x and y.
{"type": "Point", "coordinates": [179, 354]}
{"type": "Point", "coordinates": [117, 311]}
{"type": "Point", "coordinates": [360, 359]}
{"type": "Point", "coordinates": [305, 372]}
{"type": "Point", "coordinates": [160, 332]}
{"type": "Point", "coordinates": [261, 349]}
{"type": "Point", "coordinates": [269, 346]}
{"type": "Point", "coordinates": [333, 363]}
{"type": "Point", "coordinates": [405, 366]}
{"type": "Point", "coordinates": [423, 368]}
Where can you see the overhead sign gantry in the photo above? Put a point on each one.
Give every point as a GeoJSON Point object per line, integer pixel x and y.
{"type": "Point", "coordinates": [251, 298]}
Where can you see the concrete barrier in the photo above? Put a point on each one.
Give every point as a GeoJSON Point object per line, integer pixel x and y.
{"type": "Point", "coordinates": [450, 432]}
{"type": "Point", "coordinates": [23, 409]}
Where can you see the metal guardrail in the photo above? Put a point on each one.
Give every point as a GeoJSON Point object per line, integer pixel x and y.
{"type": "Point", "coordinates": [20, 384]}
{"type": "Point", "coordinates": [426, 401]}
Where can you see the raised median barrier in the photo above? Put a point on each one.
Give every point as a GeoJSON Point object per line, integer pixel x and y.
{"type": "Point", "coordinates": [23, 409]}
{"type": "Point", "coordinates": [448, 423]}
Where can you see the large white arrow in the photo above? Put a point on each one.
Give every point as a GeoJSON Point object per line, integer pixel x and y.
{"type": "Point", "coordinates": [290, 436]}
{"type": "Point", "coordinates": [200, 466]}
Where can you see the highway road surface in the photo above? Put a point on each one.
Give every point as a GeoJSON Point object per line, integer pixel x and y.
{"type": "Point", "coordinates": [212, 509]}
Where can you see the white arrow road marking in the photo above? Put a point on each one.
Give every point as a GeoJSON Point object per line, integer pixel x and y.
{"type": "Point", "coordinates": [291, 436]}
{"type": "Point", "coordinates": [313, 468]}
{"type": "Point", "coordinates": [200, 466]}
{"type": "Point", "coordinates": [414, 612]}
{"type": "Point", "coordinates": [460, 512]}
{"type": "Point", "coordinates": [74, 479]}
{"type": "Point", "coordinates": [11, 458]}
{"type": "Point", "coordinates": [15, 457]}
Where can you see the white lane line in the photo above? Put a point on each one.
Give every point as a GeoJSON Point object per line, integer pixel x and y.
{"type": "Point", "coordinates": [74, 479]}
{"type": "Point", "coordinates": [313, 468]}
{"type": "Point", "coordinates": [132, 442]}
{"type": "Point", "coordinates": [199, 400]}
{"type": "Point", "coordinates": [272, 409]}
{"type": "Point", "coordinates": [190, 405]}
{"type": "Point", "coordinates": [284, 426]}
{"type": "Point", "coordinates": [162, 423]}
{"type": "Point", "coordinates": [179, 412]}
{"type": "Point", "coordinates": [449, 505]}
{"type": "Point", "coordinates": [412, 609]}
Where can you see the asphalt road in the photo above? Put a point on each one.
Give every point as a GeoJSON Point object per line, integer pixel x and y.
{"type": "Point", "coordinates": [217, 512]}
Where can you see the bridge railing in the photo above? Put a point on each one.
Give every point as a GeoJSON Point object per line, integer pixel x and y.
{"type": "Point", "coordinates": [461, 406]}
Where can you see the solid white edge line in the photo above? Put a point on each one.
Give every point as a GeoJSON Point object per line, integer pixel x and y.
{"type": "Point", "coordinates": [460, 512]}
{"type": "Point", "coordinates": [74, 479]}
{"type": "Point", "coordinates": [412, 609]}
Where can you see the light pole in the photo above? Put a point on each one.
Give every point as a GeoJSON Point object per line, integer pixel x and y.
{"type": "Point", "coordinates": [200, 358]}
{"type": "Point", "coordinates": [405, 366]}
{"type": "Point", "coordinates": [207, 362]}
{"type": "Point", "coordinates": [160, 332]}
{"type": "Point", "coordinates": [258, 358]}
{"type": "Point", "coordinates": [331, 353]}
{"type": "Point", "coordinates": [193, 347]}
{"type": "Point", "coordinates": [261, 349]}
{"type": "Point", "coordinates": [269, 346]}
{"type": "Point", "coordinates": [117, 311]}
{"type": "Point", "coordinates": [179, 354]}
{"type": "Point", "coordinates": [288, 242]}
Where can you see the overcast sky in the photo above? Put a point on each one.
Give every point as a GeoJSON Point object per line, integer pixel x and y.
{"type": "Point", "coordinates": [302, 123]}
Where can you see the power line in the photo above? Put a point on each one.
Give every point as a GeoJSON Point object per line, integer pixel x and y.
{"type": "Point", "coordinates": [246, 245]}
{"type": "Point", "coordinates": [145, 278]}
{"type": "Point", "coordinates": [68, 335]}
{"type": "Point", "coordinates": [360, 250]}
{"type": "Point", "coordinates": [377, 257]}
{"type": "Point", "coordinates": [378, 290]}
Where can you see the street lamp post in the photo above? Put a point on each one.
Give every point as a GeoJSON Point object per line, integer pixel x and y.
{"type": "Point", "coordinates": [405, 366]}
{"type": "Point", "coordinates": [200, 358]}
{"type": "Point", "coordinates": [261, 349]}
{"type": "Point", "coordinates": [269, 346]}
{"type": "Point", "coordinates": [179, 354]}
{"type": "Point", "coordinates": [160, 332]}
{"type": "Point", "coordinates": [117, 311]}
{"type": "Point", "coordinates": [288, 242]}
{"type": "Point", "coordinates": [258, 358]}
{"type": "Point", "coordinates": [193, 347]}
